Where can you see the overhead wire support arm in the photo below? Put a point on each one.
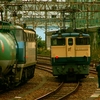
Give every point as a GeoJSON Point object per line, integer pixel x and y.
{"type": "Point", "coordinates": [36, 7]}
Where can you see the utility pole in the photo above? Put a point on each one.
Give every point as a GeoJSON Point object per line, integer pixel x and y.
{"type": "Point", "coordinates": [1, 14]}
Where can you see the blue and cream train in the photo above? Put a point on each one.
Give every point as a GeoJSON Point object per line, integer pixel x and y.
{"type": "Point", "coordinates": [70, 54]}
{"type": "Point", "coordinates": [17, 54]}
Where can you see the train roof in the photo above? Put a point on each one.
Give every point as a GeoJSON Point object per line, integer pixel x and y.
{"type": "Point", "coordinates": [70, 35]}
{"type": "Point", "coordinates": [29, 31]}
{"type": "Point", "coordinates": [16, 27]}
{"type": "Point", "coordinates": [8, 25]}
{"type": "Point", "coordinates": [69, 32]}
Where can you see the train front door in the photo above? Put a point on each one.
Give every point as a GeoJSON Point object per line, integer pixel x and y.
{"type": "Point", "coordinates": [70, 47]}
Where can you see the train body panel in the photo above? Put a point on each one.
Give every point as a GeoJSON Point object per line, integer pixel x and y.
{"type": "Point", "coordinates": [21, 52]}
{"type": "Point", "coordinates": [55, 51]}
{"type": "Point", "coordinates": [70, 53]}
{"type": "Point", "coordinates": [59, 70]}
{"type": "Point", "coordinates": [30, 63]}
{"type": "Point", "coordinates": [30, 52]}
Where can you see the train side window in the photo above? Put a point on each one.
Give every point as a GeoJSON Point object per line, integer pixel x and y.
{"type": "Point", "coordinates": [27, 37]}
{"type": "Point", "coordinates": [31, 37]}
{"type": "Point", "coordinates": [24, 36]}
{"type": "Point", "coordinates": [70, 41]}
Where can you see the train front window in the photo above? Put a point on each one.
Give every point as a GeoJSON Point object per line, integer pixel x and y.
{"type": "Point", "coordinates": [70, 41]}
{"type": "Point", "coordinates": [58, 41]}
{"type": "Point", "coordinates": [82, 41]}
{"type": "Point", "coordinates": [18, 34]}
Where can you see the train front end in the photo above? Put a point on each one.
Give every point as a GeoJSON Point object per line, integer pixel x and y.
{"type": "Point", "coordinates": [70, 54]}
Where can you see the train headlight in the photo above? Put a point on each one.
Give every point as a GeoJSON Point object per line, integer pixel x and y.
{"type": "Point", "coordinates": [56, 57]}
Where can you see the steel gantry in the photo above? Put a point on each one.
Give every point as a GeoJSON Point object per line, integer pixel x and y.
{"type": "Point", "coordinates": [53, 12]}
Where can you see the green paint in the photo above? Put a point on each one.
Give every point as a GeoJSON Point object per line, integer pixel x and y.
{"type": "Point", "coordinates": [7, 47]}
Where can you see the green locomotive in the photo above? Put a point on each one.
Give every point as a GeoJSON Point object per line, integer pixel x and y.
{"type": "Point", "coordinates": [17, 54]}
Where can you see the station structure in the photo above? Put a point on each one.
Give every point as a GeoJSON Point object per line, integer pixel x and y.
{"type": "Point", "coordinates": [54, 13]}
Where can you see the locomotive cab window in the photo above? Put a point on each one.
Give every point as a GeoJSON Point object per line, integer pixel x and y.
{"type": "Point", "coordinates": [57, 41]}
{"type": "Point", "coordinates": [82, 41]}
{"type": "Point", "coordinates": [18, 34]}
{"type": "Point", "coordinates": [70, 41]}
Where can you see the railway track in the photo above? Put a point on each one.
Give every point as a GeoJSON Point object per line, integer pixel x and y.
{"type": "Point", "coordinates": [43, 60]}
{"type": "Point", "coordinates": [93, 71]}
{"type": "Point", "coordinates": [44, 83]}
{"type": "Point", "coordinates": [62, 91]}
{"type": "Point", "coordinates": [93, 67]}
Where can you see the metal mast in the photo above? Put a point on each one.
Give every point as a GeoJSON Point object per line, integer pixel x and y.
{"type": "Point", "coordinates": [34, 11]}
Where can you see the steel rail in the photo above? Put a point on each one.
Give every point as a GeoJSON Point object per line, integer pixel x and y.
{"type": "Point", "coordinates": [55, 91]}
{"type": "Point", "coordinates": [70, 93]}
{"type": "Point", "coordinates": [50, 93]}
